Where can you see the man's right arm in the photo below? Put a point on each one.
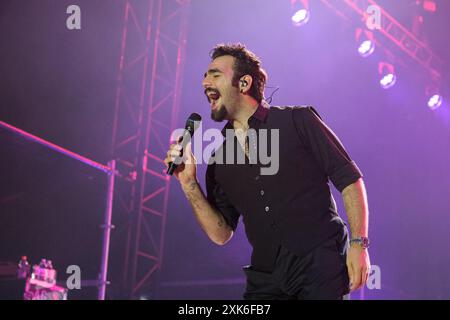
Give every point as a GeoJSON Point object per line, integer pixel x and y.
{"type": "Point", "coordinates": [209, 218]}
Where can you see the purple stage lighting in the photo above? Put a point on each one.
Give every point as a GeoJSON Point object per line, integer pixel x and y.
{"type": "Point", "coordinates": [387, 74]}
{"type": "Point", "coordinates": [435, 102]}
{"type": "Point", "coordinates": [388, 81]}
{"type": "Point", "coordinates": [300, 17]}
{"type": "Point", "coordinates": [366, 42]}
{"type": "Point", "coordinates": [366, 48]}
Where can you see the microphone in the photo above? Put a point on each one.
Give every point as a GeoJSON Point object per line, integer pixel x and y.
{"type": "Point", "coordinates": [192, 124]}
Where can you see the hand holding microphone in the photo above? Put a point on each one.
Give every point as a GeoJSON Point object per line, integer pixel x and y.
{"type": "Point", "coordinates": [184, 171]}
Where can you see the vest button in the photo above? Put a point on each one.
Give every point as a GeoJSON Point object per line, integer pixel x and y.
{"type": "Point", "coordinates": [267, 209]}
{"type": "Point", "coordinates": [262, 192]}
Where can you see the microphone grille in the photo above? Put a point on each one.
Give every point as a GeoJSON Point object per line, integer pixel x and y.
{"type": "Point", "coordinates": [195, 117]}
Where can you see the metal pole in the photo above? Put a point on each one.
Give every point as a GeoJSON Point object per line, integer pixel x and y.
{"type": "Point", "coordinates": [55, 147]}
{"type": "Point", "coordinates": [107, 226]}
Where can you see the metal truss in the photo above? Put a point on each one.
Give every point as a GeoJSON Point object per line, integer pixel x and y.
{"type": "Point", "coordinates": [146, 110]}
{"type": "Point", "coordinates": [393, 31]}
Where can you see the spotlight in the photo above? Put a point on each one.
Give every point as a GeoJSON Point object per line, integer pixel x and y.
{"type": "Point", "coordinates": [366, 48]}
{"type": "Point", "coordinates": [388, 80]}
{"type": "Point", "coordinates": [300, 9]}
{"type": "Point", "coordinates": [366, 42]}
{"type": "Point", "coordinates": [435, 101]}
{"type": "Point", "coordinates": [429, 5]}
{"type": "Point", "coordinates": [387, 75]}
{"type": "Point", "coordinates": [300, 17]}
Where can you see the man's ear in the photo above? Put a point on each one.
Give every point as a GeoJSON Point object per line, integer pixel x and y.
{"type": "Point", "coordinates": [245, 83]}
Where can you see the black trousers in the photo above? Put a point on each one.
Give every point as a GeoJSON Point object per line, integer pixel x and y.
{"type": "Point", "coordinates": [320, 275]}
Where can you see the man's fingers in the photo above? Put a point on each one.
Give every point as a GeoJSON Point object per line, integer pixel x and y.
{"type": "Point", "coordinates": [365, 273]}
{"type": "Point", "coordinates": [354, 274]}
{"type": "Point", "coordinates": [179, 155]}
{"type": "Point", "coordinates": [175, 147]}
{"type": "Point", "coordinates": [350, 274]}
{"type": "Point", "coordinates": [177, 139]}
{"type": "Point", "coordinates": [188, 156]}
{"type": "Point", "coordinates": [174, 153]}
{"type": "Point", "coordinates": [189, 150]}
{"type": "Point", "coordinates": [357, 277]}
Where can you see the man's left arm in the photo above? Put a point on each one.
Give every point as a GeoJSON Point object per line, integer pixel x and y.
{"type": "Point", "coordinates": [358, 262]}
{"type": "Point", "coordinates": [332, 157]}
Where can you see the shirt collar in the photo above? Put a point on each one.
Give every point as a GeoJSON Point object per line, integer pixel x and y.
{"type": "Point", "coordinates": [260, 115]}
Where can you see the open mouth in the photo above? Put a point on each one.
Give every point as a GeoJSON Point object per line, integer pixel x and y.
{"type": "Point", "coordinates": [212, 95]}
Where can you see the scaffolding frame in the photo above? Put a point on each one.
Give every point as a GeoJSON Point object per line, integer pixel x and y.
{"type": "Point", "coordinates": [147, 104]}
{"type": "Point", "coordinates": [110, 170]}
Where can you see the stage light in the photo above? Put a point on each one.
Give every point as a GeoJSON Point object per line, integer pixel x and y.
{"type": "Point", "coordinates": [366, 42]}
{"type": "Point", "coordinates": [387, 75]}
{"type": "Point", "coordinates": [300, 9]}
{"type": "Point", "coordinates": [435, 101]}
{"type": "Point", "coordinates": [366, 48]}
{"type": "Point", "coordinates": [300, 17]}
{"type": "Point", "coordinates": [388, 80]}
{"type": "Point", "coordinates": [429, 5]}
{"type": "Point", "coordinates": [432, 91]}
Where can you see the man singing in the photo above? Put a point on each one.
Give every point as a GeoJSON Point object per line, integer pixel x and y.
{"type": "Point", "coordinates": [300, 244]}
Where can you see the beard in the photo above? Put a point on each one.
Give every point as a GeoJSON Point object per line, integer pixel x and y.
{"type": "Point", "coordinates": [219, 114]}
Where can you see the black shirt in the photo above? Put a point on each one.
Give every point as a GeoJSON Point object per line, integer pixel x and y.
{"type": "Point", "coordinates": [293, 207]}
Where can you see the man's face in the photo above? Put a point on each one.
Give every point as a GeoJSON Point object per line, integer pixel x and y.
{"type": "Point", "coordinates": [220, 92]}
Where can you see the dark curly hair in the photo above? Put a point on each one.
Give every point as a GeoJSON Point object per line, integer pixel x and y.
{"type": "Point", "coordinates": [246, 62]}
